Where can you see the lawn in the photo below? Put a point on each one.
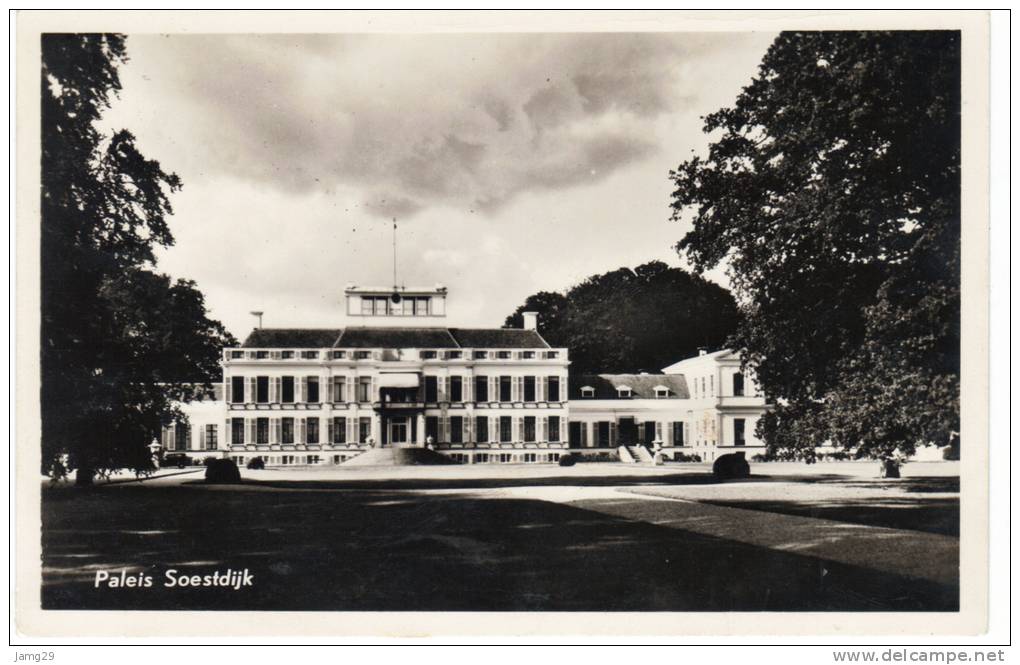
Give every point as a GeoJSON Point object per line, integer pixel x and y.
{"type": "Point", "coordinates": [612, 538]}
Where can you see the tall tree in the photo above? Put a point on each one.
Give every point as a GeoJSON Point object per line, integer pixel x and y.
{"type": "Point", "coordinates": [633, 320]}
{"type": "Point", "coordinates": [118, 341]}
{"type": "Point", "coordinates": [833, 194]}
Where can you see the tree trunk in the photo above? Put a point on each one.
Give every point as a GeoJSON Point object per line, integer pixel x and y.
{"type": "Point", "coordinates": [84, 475]}
{"type": "Point", "coordinates": [890, 468]}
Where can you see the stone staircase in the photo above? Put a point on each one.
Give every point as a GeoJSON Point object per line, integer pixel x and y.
{"type": "Point", "coordinates": [635, 454]}
{"type": "Point", "coordinates": [399, 457]}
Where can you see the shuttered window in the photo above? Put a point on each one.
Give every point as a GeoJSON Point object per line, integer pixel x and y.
{"type": "Point", "coordinates": [553, 389]}
{"type": "Point", "coordinates": [554, 429]}
{"type": "Point", "coordinates": [287, 430]}
{"type": "Point", "coordinates": [505, 429]}
{"type": "Point", "coordinates": [237, 389]}
{"type": "Point", "coordinates": [456, 429]}
{"type": "Point", "coordinates": [482, 429]}
{"type": "Point", "coordinates": [529, 429]}
{"type": "Point", "coordinates": [481, 389]}
{"type": "Point", "coordinates": [529, 389]}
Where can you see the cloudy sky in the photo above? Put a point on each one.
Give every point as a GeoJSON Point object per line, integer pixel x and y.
{"type": "Point", "coordinates": [514, 163]}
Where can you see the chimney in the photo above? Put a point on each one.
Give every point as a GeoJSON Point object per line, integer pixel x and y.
{"type": "Point", "coordinates": [702, 350]}
{"type": "Point", "coordinates": [530, 320]}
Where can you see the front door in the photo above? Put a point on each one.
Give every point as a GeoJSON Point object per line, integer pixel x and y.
{"type": "Point", "coordinates": [398, 431]}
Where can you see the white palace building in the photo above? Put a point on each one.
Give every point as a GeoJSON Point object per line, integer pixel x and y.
{"type": "Point", "coordinates": [477, 395]}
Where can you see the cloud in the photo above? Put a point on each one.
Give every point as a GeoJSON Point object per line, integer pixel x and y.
{"type": "Point", "coordinates": [463, 121]}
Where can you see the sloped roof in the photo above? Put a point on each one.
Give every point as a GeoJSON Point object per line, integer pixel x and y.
{"type": "Point", "coordinates": [396, 338]}
{"type": "Point", "coordinates": [498, 338]}
{"type": "Point", "coordinates": [378, 337]}
{"type": "Point", "coordinates": [292, 338]}
{"type": "Point", "coordinates": [642, 385]}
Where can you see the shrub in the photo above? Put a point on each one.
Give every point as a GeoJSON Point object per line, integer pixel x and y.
{"type": "Point", "coordinates": [683, 457]}
{"type": "Point", "coordinates": [567, 460]}
{"type": "Point", "coordinates": [256, 463]}
{"type": "Point", "coordinates": [222, 471]}
{"type": "Point", "coordinates": [732, 465]}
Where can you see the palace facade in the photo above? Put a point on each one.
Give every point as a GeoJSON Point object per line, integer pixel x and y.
{"type": "Point", "coordinates": [494, 395]}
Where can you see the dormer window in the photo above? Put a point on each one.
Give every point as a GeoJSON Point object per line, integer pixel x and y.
{"type": "Point", "coordinates": [587, 392]}
{"type": "Point", "coordinates": [503, 355]}
{"type": "Point", "coordinates": [309, 355]}
{"type": "Point", "coordinates": [362, 355]}
{"type": "Point", "coordinates": [337, 355]}
{"type": "Point", "coordinates": [235, 355]}
{"type": "Point", "coordinates": [481, 355]}
{"type": "Point", "coordinates": [661, 392]}
{"type": "Point", "coordinates": [528, 355]}
{"type": "Point", "coordinates": [624, 392]}
{"type": "Point", "coordinates": [286, 354]}
{"type": "Point", "coordinates": [452, 355]}
{"type": "Point", "coordinates": [261, 355]}
{"type": "Point", "coordinates": [428, 355]}
{"type": "Point", "coordinates": [551, 354]}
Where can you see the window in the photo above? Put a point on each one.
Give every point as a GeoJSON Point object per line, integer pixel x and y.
{"type": "Point", "coordinates": [311, 430]}
{"type": "Point", "coordinates": [452, 355]}
{"type": "Point", "coordinates": [456, 389]}
{"type": "Point", "coordinates": [364, 389]}
{"type": "Point", "coordinates": [237, 431]}
{"type": "Point", "coordinates": [678, 434]}
{"type": "Point", "coordinates": [339, 429]}
{"type": "Point", "coordinates": [211, 437]}
{"type": "Point", "coordinates": [432, 427]}
{"type": "Point", "coordinates": [237, 389]}
{"type": "Point", "coordinates": [339, 388]}
{"type": "Point", "coordinates": [261, 355]}
{"type": "Point", "coordinates": [554, 429]}
{"type": "Point", "coordinates": [262, 389]}
{"type": "Point", "coordinates": [312, 395]}
{"type": "Point", "coordinates": [711, 386]}
{"type": "Point", "coordinates": [421, 305]}
{"type": "Point", "coordinates": [428, 355]}
{"type": "Point", "coordinates": [337, 355]}
{"type": "Point", "coordinates": [482, 429]}
{"type": "Point", "coordinates": [503, 355]}
{"type": "Point", "coordinates": [530, 457]}
{"type": "Point", "coordinates": [286, 430]}
{"type": "Point", "coordinates": [587, 392]}
{"type": "Point", "coordinates": [505, 429]}
{"type": "Point", "coordinates": [529, 389]}
{"type": "Point", "coordinates": [661, 392]}
{"type": "Point", "coordinates": [364, 429]}
{"type": "Point", "coordinates": [481, 458]}
{"type": "Point", "coordinates": [738, 385]}
{"type": "Point", "coordinates": [362, 355]}
{"type": "Point", "coordinates": [552, 354]}
{"type": "Point", "coordinates": [481, 389]}
{"type": "Point", "coordinates": [624, 392]}
{"type": "Point", "coordinates": [182, 434]}
{"type": "Point", "coordinates": [528, 355]}
{"type": "Point", "coordinates": [431, 389]}
{"type": "Point", "coordinates": [456, 429]}
{"type": "Point", "coordinates": [738, 431]}
{"type": "Point", "coordinates": [287, 390]}
{"type": "Point", "coordinates": [505, 458]}
{"type": "Point", "coordinates": [262, 430]}
{"type": "Point", "coordinates": [309, 355]}
{"type": "Point", "coordinates": [480, 355]}
{"type": "Point", "coordinates": [286, 355]}
{"type": "Point", "coordinates": [237, 355]}
{"type": "Point", "coordinates": [553, 391]}
{"type": "Point", "coordinates": [505, 383]}
{"type": "Point", "coordinates": [529, 429]}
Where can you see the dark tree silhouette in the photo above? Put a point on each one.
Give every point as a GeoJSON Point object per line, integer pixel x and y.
{"type": "Point", "coordinates": [633, 320]}
{"type": "Point", "coordinates": [833, 193]}
{"type": "Point", "coordinates": [118, 341]}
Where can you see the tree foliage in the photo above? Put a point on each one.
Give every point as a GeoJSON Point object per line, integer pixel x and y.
{"type": "Point", "coordinates": [832, 191]}
{"type": "Point", "coordinates": [118, 340]}
{"type": "Point", "coordinates": [633, 320]}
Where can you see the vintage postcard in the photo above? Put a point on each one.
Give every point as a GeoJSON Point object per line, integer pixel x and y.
{"type": "Point", "coordinates": [449, 323]}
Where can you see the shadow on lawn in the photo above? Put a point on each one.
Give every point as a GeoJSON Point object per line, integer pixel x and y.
{"type": "Point", "coordinates": [383, 550]}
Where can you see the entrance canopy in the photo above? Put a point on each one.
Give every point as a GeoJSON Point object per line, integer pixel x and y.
{"type": "Point", "coordinates": [398, 380]}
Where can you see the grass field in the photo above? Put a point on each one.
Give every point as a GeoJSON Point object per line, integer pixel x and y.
{"type": "Point", "coordinates": [607, 537]}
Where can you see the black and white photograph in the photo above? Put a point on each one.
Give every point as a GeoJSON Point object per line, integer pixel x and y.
{"type": "Point", "coordinates": [448, 320]}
